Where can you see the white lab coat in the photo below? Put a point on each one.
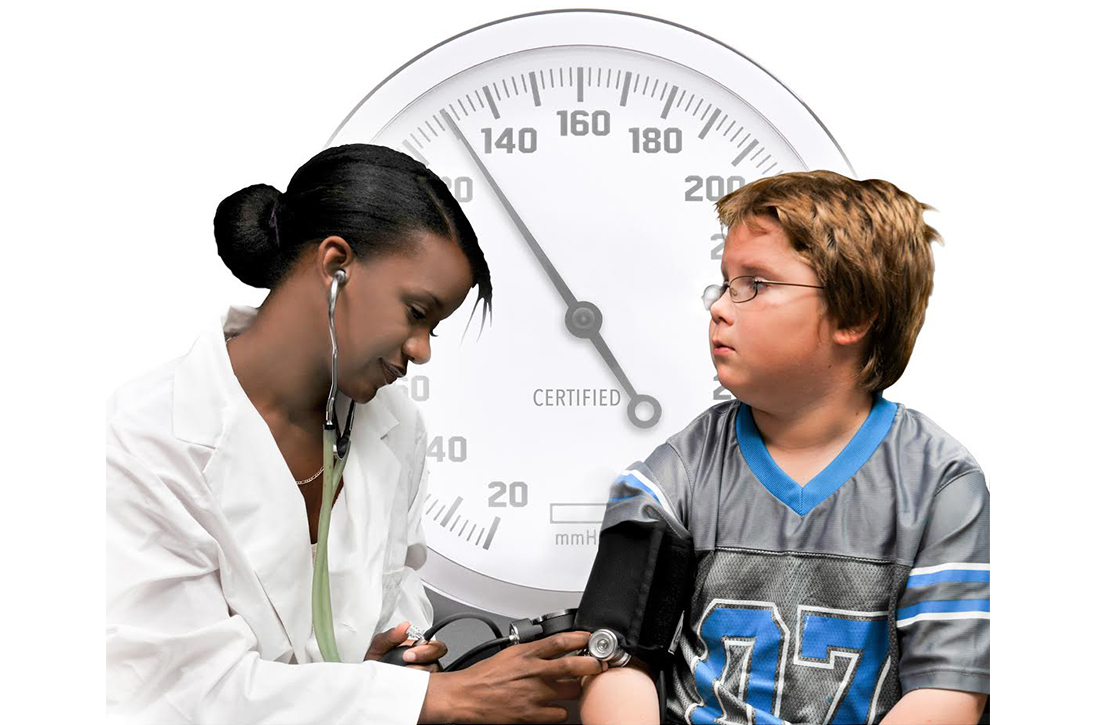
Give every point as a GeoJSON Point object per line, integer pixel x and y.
{"type": "Point", "coordinates": [209, 562]}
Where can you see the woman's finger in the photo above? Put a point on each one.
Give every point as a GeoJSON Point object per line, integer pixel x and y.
{"type": "Point", "coordinates": [575, 666]}
{"type": "Point", "coordinates": [550, 714]}
{"type": "Point", "coordinates": [559, 644]}
{"type": "Point", "coordinates": [427, 652]}
{"type": "Point", "coordinates": [566, 689]}
{"type": "Point", "coordinates": [383, 642]}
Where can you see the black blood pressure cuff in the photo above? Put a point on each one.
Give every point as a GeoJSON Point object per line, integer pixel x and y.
{"type": "Point", "coordinates": [640, 584]}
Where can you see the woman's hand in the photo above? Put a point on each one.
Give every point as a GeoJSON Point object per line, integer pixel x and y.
{"type": "Point", "coordinates": [426, 656]}
{"type": "Point", "coordinates": [518, 685]}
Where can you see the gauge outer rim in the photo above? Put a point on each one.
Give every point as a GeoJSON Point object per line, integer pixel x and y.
{"type": "Point", "coordinates": [774, 101]}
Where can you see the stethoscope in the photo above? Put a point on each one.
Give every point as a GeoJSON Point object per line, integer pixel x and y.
{"type": "Point", "coordinates": [336, 444]}
{"type": "Point", "coordinates": [333, 457]}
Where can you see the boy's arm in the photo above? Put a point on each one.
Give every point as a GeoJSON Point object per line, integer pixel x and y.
{"type": "Point", "coordinates": [620, 695]}
{"type": "Point", "coordinates": [657, 488]}
{"type": "Point", "coordinates": [943, 612]}
{"type": "Point", "coordinates": [927, 707]}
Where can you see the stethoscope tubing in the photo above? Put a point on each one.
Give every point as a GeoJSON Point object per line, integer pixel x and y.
{"type": "Point", "coordinates": [335, 447]}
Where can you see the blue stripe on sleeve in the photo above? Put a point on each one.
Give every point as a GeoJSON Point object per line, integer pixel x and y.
{"type": "Point", "coordinates": [634, 483]}
{"type": "Point", "coordinates": [948, 575]}
{"type": "Point", "coordinates": [945, 605]}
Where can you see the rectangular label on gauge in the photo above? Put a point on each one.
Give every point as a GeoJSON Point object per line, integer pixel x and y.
{"type": "Point", "coordinates": [577, 513]}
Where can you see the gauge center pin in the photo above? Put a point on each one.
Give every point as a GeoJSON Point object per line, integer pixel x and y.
{"type": "Point", "coordinates": [583, 319]}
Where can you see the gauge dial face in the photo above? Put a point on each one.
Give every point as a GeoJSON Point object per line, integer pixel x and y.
{"type": "Point", "coordinates": [588, 150]}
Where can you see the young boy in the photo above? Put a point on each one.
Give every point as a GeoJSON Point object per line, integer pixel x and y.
{"type": "Point", "coordinates": [842, 540]}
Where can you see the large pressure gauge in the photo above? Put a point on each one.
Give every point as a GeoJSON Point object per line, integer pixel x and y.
{"type": "Point", "coordinates": [588, 149]}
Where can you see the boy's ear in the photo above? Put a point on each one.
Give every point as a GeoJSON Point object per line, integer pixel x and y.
{"type": "Point", "coordinates": [854, 334]}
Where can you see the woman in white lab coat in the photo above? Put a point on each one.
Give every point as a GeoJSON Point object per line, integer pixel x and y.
{"type": "Point", "coordinates": [213, 490]}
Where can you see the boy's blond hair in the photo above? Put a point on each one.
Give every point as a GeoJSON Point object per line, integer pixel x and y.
{"type": "Point", "coordinates": [871, 250]}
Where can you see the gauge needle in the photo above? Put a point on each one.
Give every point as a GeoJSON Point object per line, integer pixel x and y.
{"type": "Point", "coordinates": [582, 319]}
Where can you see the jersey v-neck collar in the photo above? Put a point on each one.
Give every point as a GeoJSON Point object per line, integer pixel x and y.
{"type": "Point", "coordinates": [803, 499]}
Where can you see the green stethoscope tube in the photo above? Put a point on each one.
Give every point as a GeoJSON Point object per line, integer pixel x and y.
{"type": "Point", "coordinates": [322, 595]}
{"type": "Point", "coordinates": [333, 458]}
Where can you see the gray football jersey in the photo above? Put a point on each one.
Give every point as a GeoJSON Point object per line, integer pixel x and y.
{"type": "Point", "coordinates": [822, 603]}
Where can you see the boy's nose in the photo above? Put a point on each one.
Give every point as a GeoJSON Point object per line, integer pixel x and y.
{"type": "Point", "coordinates": [721, 310]}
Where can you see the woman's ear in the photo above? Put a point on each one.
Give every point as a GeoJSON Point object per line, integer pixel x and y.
{"type": "Point", "coordinates": [333, 253]}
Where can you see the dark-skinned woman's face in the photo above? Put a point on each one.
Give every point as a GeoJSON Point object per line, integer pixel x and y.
{"type": "Point", "coordinates": [389, 306]}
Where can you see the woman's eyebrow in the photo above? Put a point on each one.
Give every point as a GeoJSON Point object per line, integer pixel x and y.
{"type": "Point", "coordinates": [433, 300]}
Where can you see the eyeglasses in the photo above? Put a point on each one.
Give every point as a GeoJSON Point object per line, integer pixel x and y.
{"type": "Point", "coordinates": [743, 289]}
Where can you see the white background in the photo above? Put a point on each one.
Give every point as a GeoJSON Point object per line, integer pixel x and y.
{"type": "Point", "coordinates": [125, 125]}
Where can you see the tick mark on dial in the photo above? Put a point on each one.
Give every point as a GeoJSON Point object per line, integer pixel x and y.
{"type": "Point", "coordinates": [535, 88]}
{"type": "Point", "coordinates": [626, 88]}
{"type": "Point", "coordinates": [668, 103]}
{"type": "Point", "coordinates": [492, 103]}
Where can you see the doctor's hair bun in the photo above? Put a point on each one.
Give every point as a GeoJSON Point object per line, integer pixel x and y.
{"type": "Point", "coordinates": [246, 231]}
{"type": "Point", "coordinates": [377, 200]}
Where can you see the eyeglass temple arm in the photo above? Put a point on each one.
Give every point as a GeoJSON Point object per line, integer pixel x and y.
{"type": "Point", "coordinates": [790, 284]}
